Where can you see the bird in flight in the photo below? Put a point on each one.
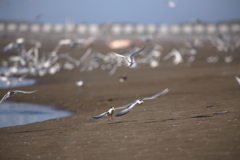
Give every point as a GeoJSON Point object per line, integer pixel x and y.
{"type": "Point", "coordinates": [131, 61]}
{"type": "Point", "coordinates": [109, 113]}
{"type": "Point", "coordinates": [11, 93]}
{"type": "Point", "coordinates": [130, 106]}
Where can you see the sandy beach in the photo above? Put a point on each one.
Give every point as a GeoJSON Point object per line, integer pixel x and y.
{"type": "Point", "coordinates": [177, 126]}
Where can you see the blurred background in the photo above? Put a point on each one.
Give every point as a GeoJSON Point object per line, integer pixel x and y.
{"type": "Point", "coordinates": [126, 18]}
{"type": "Point", "coordinates": [39, 38]}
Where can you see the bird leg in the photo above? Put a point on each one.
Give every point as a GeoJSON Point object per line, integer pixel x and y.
{"type": "Point", "coordinates": [110, 118]}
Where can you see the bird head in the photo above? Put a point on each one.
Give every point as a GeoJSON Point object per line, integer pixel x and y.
{"type": "Point", "coordinates": [112, 108]}
{"type": "Point", "coordinates": [10, 92]}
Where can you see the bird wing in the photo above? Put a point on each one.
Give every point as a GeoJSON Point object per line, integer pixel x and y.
{"type": "Point", "coordinates": [157, 95]}
{"type": "Point", "coordinates": [18, 91]}
{"type": "Point", "coordinates": [119, 55]}
{"type": "Point", "coordinates": [22, 77]}
{"type": "Point", "coordinates": [135, 53]}
{"type": "Point", "coordinates": [4, 97]}
{"type": "Point", "coordinates": [99, 116]}
{"type": "Point", "coordinates": [125, 111]}
{"type": "Point", "coordinates": [238, 79]}
{"type": "Point", "coordinates": [122, 56]}
{"type": "Point", "coordinates": [127, 105]}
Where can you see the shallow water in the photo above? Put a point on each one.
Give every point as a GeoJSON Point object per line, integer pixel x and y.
{"type": "Point", "coordinates": [16, 83]}
{"type": "Point", "coordinates": [19, 113]}
{"type": "Point", "coordinates": [19, 71]}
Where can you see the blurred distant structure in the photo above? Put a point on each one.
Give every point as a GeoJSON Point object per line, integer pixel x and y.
{"type": "Point", "coordinates": [25, 29]}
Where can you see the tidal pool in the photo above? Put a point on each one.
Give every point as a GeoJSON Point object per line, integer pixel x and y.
{"type": "Point", "coordinates": [19, 113]}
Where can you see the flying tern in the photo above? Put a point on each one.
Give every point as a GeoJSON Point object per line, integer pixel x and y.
{"type": "Point", "coordinates": [11, 93]}
{"type": "Point", "coordinates": [131, 61]}
{"type": "Point", "coordinates": [139, 101]}
{"type": "Point", "coordinates": [109, 113]}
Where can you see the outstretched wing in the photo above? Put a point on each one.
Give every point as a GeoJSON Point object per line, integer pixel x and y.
{"type": "Point", "coordinates": [119, 55]}
{"type": "Point", "coordinates": [127, 105]}
{"type": "Point", "coordinates": [18, 91]}
{"type": "Point", "coordinates": [135, 53]}
{"type": "Point", "coordinates": [157, 95]}
{"type": "Point", "coordinates": [125, 111]}
{"type": "Point", "coordinates": [122, 56]}
{"type": "Point", "coordinates": [4, 97]}
{"type": "Point", "coordinates": [99, 116]}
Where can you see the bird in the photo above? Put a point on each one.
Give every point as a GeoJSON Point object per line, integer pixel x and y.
{"type": "Point", "coordinates": [11, 93]}
{"type": "Point", "coordinates": [79, 83]}
{"type": "Point", "coordinates": [123, 78]}
{"type": "Point", "coordinates": [139, 101]}
{"type": "Point", "coordinates": [22, 77]}
{"type": "Point", "coordinates": [131, 61]}
{"type": "Point", "coordinates": [238, 79]}
{"type": "Point", "coordinates": [109, 113]}
{"type": "Point", "coordinates": [177, 57]}
{"type": "Point", "coordinates": [171, 4]}
{"type": "Point", "coordinates": [8, 47]}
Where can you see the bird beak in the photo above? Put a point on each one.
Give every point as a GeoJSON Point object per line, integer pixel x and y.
{"type": "Point", "coordinates": [114, 109]}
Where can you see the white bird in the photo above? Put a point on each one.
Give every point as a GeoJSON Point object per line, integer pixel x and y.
{"type": "Point", "coordinates": [238, 79]}
{"type": "Point", "coordinates": [177, 57]}
{"type": "Point", "coordinates": [20, 40]}
{"type": "Point", "coordinates": [11, 93]}
{"type": "Point", "coordinates": [171, 4]}
{"type": "Point", "coordinates": [79, 83]}
{"type": "Point", "coordinates": [109, 113]}
{"type": "Point", "coordinates": [212, 59]}
{"type": "Point", "coordinates": [7, 79]}
{"type": "Point", "coordinates": [3, 78]}
{"type": "Point", "coordinates": [22, 77]}
{"type": "Point", "coordinates": [131, 61]}
{"type": "Point", "coordinates": [8, 47]}
{"type": "Point", "coordinates": [139, 101]}
{"type": "Point", "coordinates": [228, 59]}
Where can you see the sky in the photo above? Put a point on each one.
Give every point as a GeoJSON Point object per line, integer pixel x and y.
{"type": "Point", "coordinates": [119, 11]}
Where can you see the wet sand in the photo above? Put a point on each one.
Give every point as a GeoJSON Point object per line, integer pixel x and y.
{"type": "Point", "coordinates": [180, 125]}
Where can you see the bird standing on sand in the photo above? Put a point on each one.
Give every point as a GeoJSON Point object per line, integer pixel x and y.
{"type": "Point", "coordinates": [11, 93]}
{"type": "Point", "coordinates": [131, 61]}
{"type": "Point", "coordinates": [139, 101]}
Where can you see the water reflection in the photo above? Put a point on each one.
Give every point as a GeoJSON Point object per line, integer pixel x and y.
{"type": "Point", "coordinates": [16, 83]}
{"type": "Point", "coordinates": [14, 113]}
{"type": "Point", "coordinates": [19, 70]}
{"type": "Point", "coordinates": [12, 81]}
